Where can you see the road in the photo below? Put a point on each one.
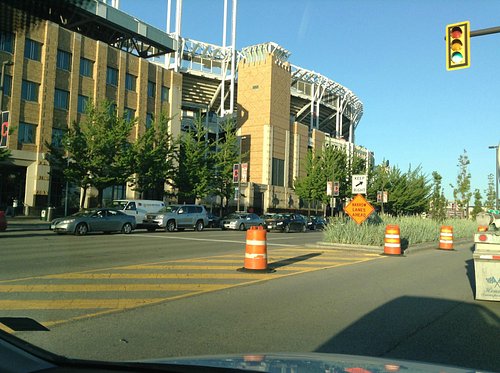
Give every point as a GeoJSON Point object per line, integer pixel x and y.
{"type": "Point", "coordinates": [179, 294]}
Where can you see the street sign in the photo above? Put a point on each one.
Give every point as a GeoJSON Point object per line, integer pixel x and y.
{"type": "Point", "coordinates": [336, 188]}
{"type": "Point", "coordinates": [329, 188]}
{"type": "Point", "coordinates": [359, 184]}
{"type": "Point", "coordinates": [244, 172]}
{"type": "Point", "coordinates": [236, 173]}
{"type": "Point", "coordinates": [4, 129]}
{"type": "Point", "coordinates": [359, 209]}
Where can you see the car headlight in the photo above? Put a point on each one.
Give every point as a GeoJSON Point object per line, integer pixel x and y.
{"type": "Point", "coordinates": [279, 223]}
{"type": "Point", "coordinates": [159, 217]}
{"type": "Point", "coordinates": [67, 221]}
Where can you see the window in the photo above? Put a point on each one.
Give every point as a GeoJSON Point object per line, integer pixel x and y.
{"type": "Point", "coordinates": [7, 85]}
{"type": "Point", "coordinates": [278, 177]}
{"type": "Point", "coordinates": [26, 134]}
{"type": "Point", "coordinates": [33, 50]}
{"type": "Point", "coordinates": [151, 89]}
{"type": "Point", "coordinates": [63, 60]}
{"type": "Point", "coordinates": [112, 76]}
{"type": "Point", "coordinates": [57, 137]}
{"type": "Point", "coordinates": [130, 82]}
{"type": "Point", "coordinates": [6, 41]}
{"type": "Point", "coordinates": [149, 120]}
{"type": "Point", "coordinates": [82, 103]}
{"type": "Point", "coordinates": [61, 99]}
{"type": "Point", "coordinates": [86, 67]}
{"type": "Point", "coordinates": [129, 114]}
{"type": "Point", "coordinates": [164, 93]}
{"type": "Point", "coordinates": [29, 91]}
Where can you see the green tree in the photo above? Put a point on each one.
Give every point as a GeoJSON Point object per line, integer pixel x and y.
{"type": "Point", "coordinates": [490, 193]}
{"type": "Point", "coordinates": [310, 187]}
{"type": "Point", "coordinates": [437, 200]}
{"type": "Point", "coordinates": [462, 193]}
{"type": "Point", "coordinates": [478, 206]}
{"type": "Point", "coordinates": [99, 151]}
{"type": "Point", "coordinates": [4, 154]}
{"type": "Point", "coordinates": [154, 159]}
{"type": "Point", "coordinates": [193, 178]}
{"type": "Point", "coordinates": [226, 153]}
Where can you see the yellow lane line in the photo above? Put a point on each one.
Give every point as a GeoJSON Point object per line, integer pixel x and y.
{"type": "Point", "coordinates": [100, 276]}
{"type": "Point", "coordinates": [49, 288]}
{"type": "Point", "coordinates": [73, 304]}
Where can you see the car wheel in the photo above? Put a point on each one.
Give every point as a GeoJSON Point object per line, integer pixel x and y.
{"type": "Point", "coordinates": [81, 229]}
{"type": "Point", "coordinates": [170, 227]}
{"type": "Point", "coordinates": [127, 228]}
{"type": "Point", "coordinates": [286, 229]}
{"type": "Point", "coordinates": [199, 225]}
{"type": "Point", "coordinates": [151, 229]}
{"type": "Point", "coordinates": [241, 227]}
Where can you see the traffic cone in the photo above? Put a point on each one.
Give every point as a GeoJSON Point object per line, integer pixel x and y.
{"type": "Point", "coordinates": [446, 238]}
{"type": "Point", "coordinates": [256, 251]}
{"type": "Point", "coordinates": [392, 240]}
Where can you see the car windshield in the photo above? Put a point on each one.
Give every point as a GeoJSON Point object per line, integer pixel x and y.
{"type": "Point", "coordinates": [252, 177]}
{"type": "Point", "coordinates": [170, 208]}
{"type": "Point", "coordinates": [119, 205]}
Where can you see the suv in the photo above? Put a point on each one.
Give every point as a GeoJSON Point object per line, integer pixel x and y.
{"type": "Point", "coordinates": [177, 217]}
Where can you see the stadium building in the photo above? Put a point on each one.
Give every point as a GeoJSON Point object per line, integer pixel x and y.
{"type": "Point", "coordinates": [94, 51]}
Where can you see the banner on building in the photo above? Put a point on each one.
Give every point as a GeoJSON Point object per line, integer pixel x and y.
{"type": "Point", "coordinates": [4, 129]}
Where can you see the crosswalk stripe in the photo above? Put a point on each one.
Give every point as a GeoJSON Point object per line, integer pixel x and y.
{"type": "Point", "coordinates": [50, 288]}
{"type": "Point", "coordinates": [100, 276]}
{"type": "Point", "coordinates": [67, 304]}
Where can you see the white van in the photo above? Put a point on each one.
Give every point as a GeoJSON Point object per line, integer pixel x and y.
{"type": "Point", "coordinates": [138, 208]}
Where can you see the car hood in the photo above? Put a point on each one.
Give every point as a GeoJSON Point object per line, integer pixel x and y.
{"type": "Point", "coordinates": [309, 362]}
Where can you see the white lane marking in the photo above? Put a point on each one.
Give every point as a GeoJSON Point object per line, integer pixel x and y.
{"type": "Point", "coordinates": [207, 240]}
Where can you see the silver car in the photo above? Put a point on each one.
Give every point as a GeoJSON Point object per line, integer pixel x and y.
{"type": "Point", "coordinates": [241, 221]}
{"type": "Point", "coordinates": [178, 217]}
{"type": "Point", "coordinates": [95, 220]}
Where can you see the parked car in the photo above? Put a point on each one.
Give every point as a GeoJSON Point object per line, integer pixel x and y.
{"type": "Point", "coordinates": [178, 217]}
{"type": "Point", "coordinates": [316, 223]}
{"type": "Point", "coordinates": [287, 223]}
{"type": "Point", "coordinates": [138, 208]}
{"type": "Point", "coordinates": [94, 220]}
{"type": "Point", "coordinates": [213, 221]}
{"type": "Point", "coordinates": [241, 221]}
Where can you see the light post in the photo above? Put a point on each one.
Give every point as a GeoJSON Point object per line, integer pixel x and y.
{"type": "Point", "coordinates": [497, 167]}
{"type": "Point", "coordinates": [239, 173]}
{"type": "Point", "coordinates": [2, 80]}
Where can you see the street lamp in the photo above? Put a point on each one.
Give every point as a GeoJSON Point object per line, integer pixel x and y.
{"type": "Point", "coordinates": [239, 173]}
{"type": "Point", "coordinates": [2, 80]}
{"type": "Point", "coordinates": [497, 168]}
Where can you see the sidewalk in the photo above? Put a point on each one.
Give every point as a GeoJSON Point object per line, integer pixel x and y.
{"type": "Point", "coordinates": [26, 223]}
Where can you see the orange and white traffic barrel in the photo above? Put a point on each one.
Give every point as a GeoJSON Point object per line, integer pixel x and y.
{"type": "Point", "coordinates": [446, 237]}
{"type": "Point", "coordinates": [256, 251]}
{"type": "Point", "coordinates": [392, 240]}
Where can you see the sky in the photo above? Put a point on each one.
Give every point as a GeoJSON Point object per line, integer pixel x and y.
{"type": "Point", "coordinates": [391, 54]}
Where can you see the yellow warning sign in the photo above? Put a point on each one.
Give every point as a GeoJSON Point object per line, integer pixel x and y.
{"type": "Point", "coordinates": [359, 209]}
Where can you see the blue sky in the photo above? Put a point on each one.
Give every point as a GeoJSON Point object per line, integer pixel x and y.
{"type": "Point", "coordinates": [391, 54]}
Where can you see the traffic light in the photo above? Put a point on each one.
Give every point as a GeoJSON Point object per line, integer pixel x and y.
{"type": "Point", "coordinates": [458, 45]}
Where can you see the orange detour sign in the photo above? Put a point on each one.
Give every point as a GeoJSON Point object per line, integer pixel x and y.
{"type": "Point", "coordinates": [256, 251]}
{"type": "Point", "coordinates": [359, 209]}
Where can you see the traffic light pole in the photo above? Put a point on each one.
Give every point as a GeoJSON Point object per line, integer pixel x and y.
{"type": "Point", "coordinates": [485, 31]}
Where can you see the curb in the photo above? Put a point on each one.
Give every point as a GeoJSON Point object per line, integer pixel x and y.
{"type": "Point", "coordinates": [379, 249]}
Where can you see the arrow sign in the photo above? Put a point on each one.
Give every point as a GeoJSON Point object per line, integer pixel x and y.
{"type": "Point", "coordinates": [358, 184]}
